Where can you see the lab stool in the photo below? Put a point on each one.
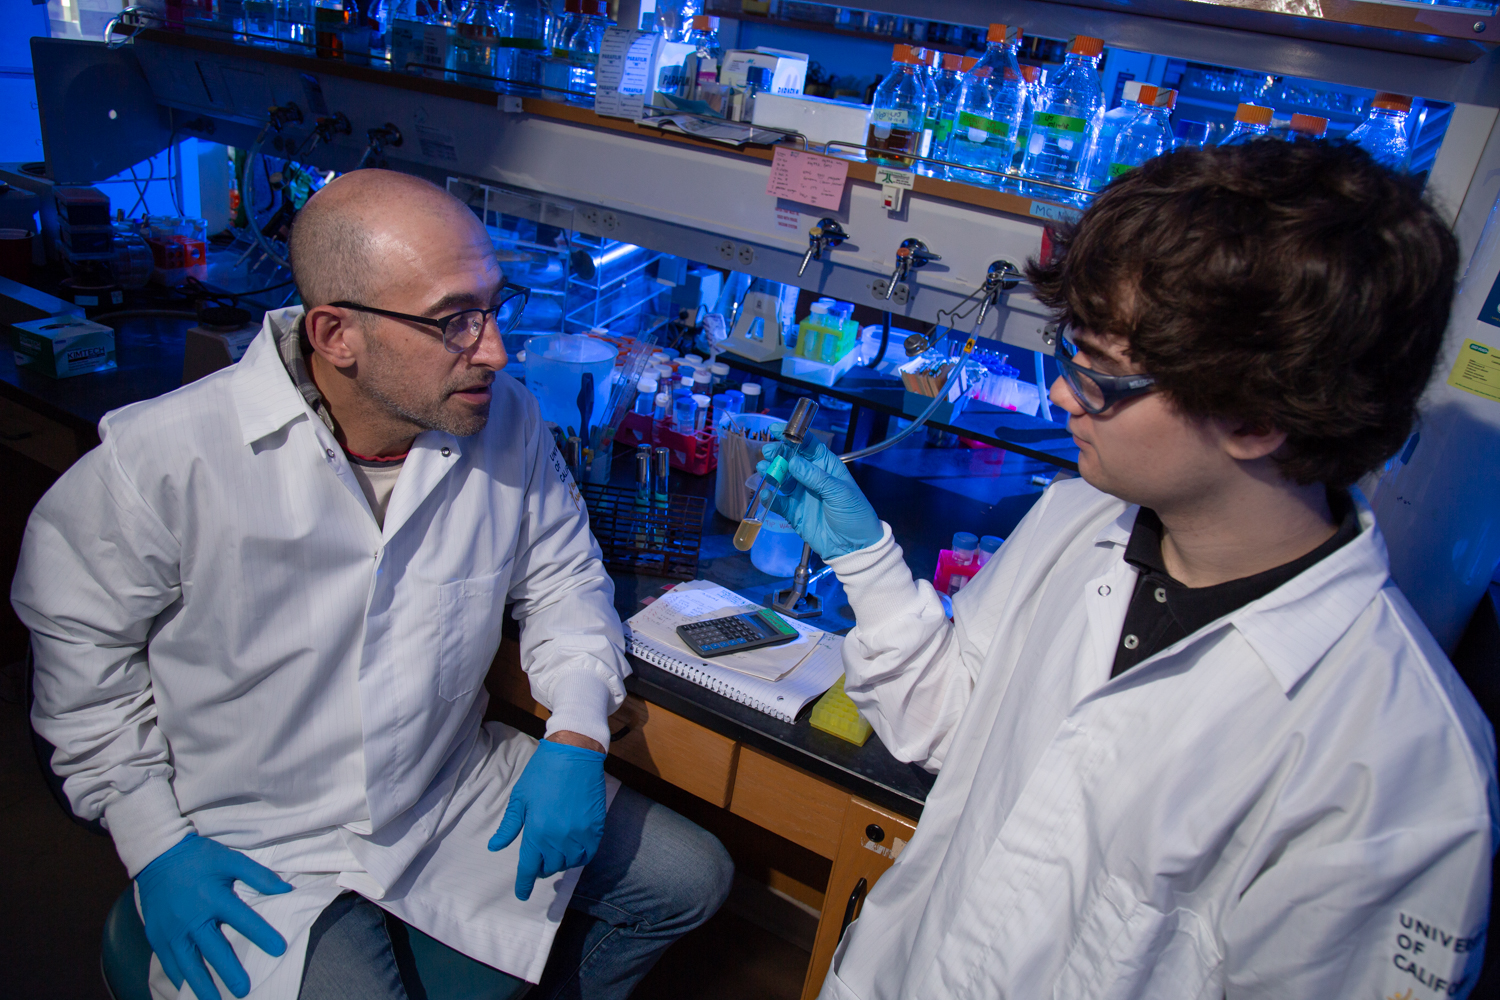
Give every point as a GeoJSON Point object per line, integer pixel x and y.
{"type": "Point", "coordinates": [445, 974]}
{"type": "Point", "coordinates": [125, 954]}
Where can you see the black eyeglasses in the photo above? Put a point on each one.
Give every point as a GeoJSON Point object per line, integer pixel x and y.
{"type": "Point", "coordinates": [462, 330]}
{"type": "Point", "coordinates": [1095, 391]}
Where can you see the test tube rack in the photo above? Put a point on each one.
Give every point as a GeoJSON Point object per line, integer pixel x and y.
{"type": "Point", "coordinates": [646, 539]}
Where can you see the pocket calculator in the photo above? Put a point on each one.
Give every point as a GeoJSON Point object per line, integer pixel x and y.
{"type": "Point", "coordinates": [736, 633]}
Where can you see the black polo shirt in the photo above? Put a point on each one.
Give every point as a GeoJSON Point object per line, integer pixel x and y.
{"type": "Point", "coordinates": [1163, 611]}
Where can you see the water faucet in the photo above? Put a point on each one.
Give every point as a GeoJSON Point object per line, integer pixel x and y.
{"type": "Point", "coordinates": [826, 235]}
{"type": "Point", "coordinates": [912, 253]}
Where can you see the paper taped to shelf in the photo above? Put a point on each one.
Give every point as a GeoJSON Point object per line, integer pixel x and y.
{"type": "Point", "coordinates": [808, 178]}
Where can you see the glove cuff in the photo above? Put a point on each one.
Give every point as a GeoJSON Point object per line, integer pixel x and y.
{"type": "Point", "coordinates": [145, 823]}
{"type": "Point", "coordinates": [876, 579]}
{"type": "Point", "coordinates": [581, 703]}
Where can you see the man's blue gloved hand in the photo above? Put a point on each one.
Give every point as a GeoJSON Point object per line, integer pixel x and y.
{"type": "Point", "coordinates": [559, 802]}
{"type": "Point", "coordinates": [186, 893]}
{"type": "Point", "coordinates": [828, 511]}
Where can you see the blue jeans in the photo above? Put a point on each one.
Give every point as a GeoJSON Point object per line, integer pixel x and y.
{"type": "Point", "coordinates": [655, 877]}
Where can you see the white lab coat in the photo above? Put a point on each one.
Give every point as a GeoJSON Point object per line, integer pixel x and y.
{"type": "Point", "coordinates": [1297, 800]}
{"type": "Point", "coordinates": [227, 642]}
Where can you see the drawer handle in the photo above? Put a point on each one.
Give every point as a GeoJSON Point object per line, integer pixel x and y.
{"type": "Point", "coordinates": [620, 734]}
{"type": "Point", "coordinates": [853, 905]}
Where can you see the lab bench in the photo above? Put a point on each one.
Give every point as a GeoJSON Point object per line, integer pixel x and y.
{"type": "Point", "coordinates": [855, 807]}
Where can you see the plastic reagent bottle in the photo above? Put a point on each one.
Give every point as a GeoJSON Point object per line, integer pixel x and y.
{"type": "Point", "coordinates": [645, 395]}
{"type": "Point", "coordinates": [987, 115]}
{"type": "Point", "coordinates": [1383, 132]}
{"type": "Point", "coordinates": [777, 476]}
{"type": "Point", "coordinates": [899, 109]}
{"type": "Point", "coordinates": [1307, 127]}
{"type": "Point", "coordinates": [1149, 133]}
{"type": "Point", "coordinates": [1251, 122]}
{"type": "Point", "coordinates": [1066, 123]}
{"type": "Point", "coordinates": [703, 33]}
{"type": "Point", "coordinates": [1110, 125]}
{"type": "Point", "coordinates": [988, 546]}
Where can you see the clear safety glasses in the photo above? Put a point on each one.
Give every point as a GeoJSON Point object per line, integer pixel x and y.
{"type": "Point", "coordinates": [1095, 391]}
{"type": "Point", "coordinates": [462, 330]}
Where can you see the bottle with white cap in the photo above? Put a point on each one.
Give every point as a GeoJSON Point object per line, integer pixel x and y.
{"type": "Point", "coordinates": [700, 413]}
{"type": "Point", "coordinates": [720, 372]}
{"type": "Point", "coordinates": [645, 396]}
{"type": "Point", "coordinates": [751, 392]}
{"type": "Point", "coordinates": [702, 380]}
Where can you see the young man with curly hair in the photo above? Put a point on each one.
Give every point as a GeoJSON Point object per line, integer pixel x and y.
{"type": "Point", "coordinates": [1191, 740]}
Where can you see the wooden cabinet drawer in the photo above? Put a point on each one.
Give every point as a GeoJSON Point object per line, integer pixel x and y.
{"type": "Point", "coordinates": [803, 809]}
{"type": "Point", "coordinates": [657, 741]}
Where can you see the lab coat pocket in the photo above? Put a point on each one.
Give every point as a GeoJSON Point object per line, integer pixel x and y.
{"type": "Point", "coordinates": [470, 613]}
{"type": "Point", "coordinates": [1126, 948]}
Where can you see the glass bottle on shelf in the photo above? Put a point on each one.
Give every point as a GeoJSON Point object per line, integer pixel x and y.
{"type": "Point", "coordinates": [703, 34]}
{"type": "Point", "coordinates": [1307, 127]}
{"type": "Point", "coordinates": [1035, 79]}
{"type": "Point", "coordinates": [1149, 133]}
{"type": "Point", "coordinates": [987, 116]}
{"type": "Point", "coordinates": [929, 60]}
{"type": "Point", "coordinates": [476, 44]}
{"type": "Point", "coordinates": [1251, 122]}
{"type": "Point", "coordinates": [583, 51]}
{"type": "Point", "coordinates": [947, 112]}
{"type": "Point", "coordinates": [1110, 125]}
{"type": "Point", "coordinates": [1066, 123]}
{"type": "Point", "coordinates": [1383, 132]}
{"type": "Point", "coordinates": [562, 28]}
{"type": "Point", "coordinates": [1188, 133]}
{"type": "Point", "coordinates": [674, 18]}
{"type": "Point", "coordinates": [524, 26]}
{"type": "Point", "coordinates": [946, 77]}
{"type": "Point", "coordinates": [260, 23]}
{"type": "Point", "coordinates": [293, 24]}
{"type": "Point", "coordinates": [897, 113]}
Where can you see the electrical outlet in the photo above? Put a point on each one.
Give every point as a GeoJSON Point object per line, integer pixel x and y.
{"type": "Point", "coordinates": [590, 216]}
{"type": "Point", "coordinates": [899, 296]}
{"type": "Point", "coordinates": [746, 255]}
{"type": "Point", "coordinates": [609, 221]}
{"type": "Point", "coordinates": [726, 250]}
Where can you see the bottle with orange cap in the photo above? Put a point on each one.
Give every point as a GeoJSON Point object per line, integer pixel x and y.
{"type": "Point", "coordinates": [898, 111]}
{"type": "Point", "coordinates": [703, 34]}
{"type": "Point", "coordinates": [1066, 123]}
{"type": "Point", "coordinates": [1149, 133]}
{"type": "Point", "coordinates": [1251, 122]}
{"type": "Point", "coordinates": [948, 111]}
{"type": "Point", "coordinates": [1383, 132]}
{"type": "Point", "coordinates": [987, 115]}
{"type": "Point", "coordinates": [1035, 80]}
{"type": "Point", "coordinates": [1306, 127]}
{"type": "Point", "coordinates": [928, 61]}
{"type": "Point", "coordinates": [1110, 124]}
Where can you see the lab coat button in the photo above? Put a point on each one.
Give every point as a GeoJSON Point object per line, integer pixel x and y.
{"type": "Point", "coordinates": [1104, 590]}
{"type": "Point", "coordinates": [447, 452]}
{"type": "Point", "coordinates": [1161, 595]}
{"type": "Point", "coordinates": [328, 452]}
{"type": "Point", "coordinates": [1131, 642]}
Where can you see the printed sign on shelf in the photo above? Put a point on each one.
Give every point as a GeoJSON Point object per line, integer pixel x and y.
{"type": "Point", "coordinates": [1477, 370]}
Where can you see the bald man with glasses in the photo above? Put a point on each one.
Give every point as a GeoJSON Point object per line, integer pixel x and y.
{"type": "Point", "coordinates": [262, 613]}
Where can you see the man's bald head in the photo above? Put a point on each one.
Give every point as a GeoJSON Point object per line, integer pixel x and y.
{"type": "Point", "coordinates": [353, 231]}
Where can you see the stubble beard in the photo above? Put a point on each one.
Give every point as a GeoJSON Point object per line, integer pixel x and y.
{"type": "Point", "coordinates": [386, 383]}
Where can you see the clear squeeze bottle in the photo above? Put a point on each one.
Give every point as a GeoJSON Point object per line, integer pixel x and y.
{"type": "Point", "coordinates": [777, 478]}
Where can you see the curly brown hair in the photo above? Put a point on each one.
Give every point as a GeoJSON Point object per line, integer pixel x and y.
{"type": "Point", "coordinates": [1294, 285]}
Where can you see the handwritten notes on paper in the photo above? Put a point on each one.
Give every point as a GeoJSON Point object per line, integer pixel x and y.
{"type": "Point", "coordinates": [808, 177]}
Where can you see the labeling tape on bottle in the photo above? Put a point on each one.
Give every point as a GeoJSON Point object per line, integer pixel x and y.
{"type": "Point", "coordinates": [523, 43]}
{"type": "Point", "coordinates": [1060, 123]}
{"type": "Point", "coordinates": [891, 116]}
{"type": "Point", "coordinates": [971, 121]}
{"type": "Point", "coordinates": [1116, 169]}
{"type": "Point", "coordinates": [941, 130]}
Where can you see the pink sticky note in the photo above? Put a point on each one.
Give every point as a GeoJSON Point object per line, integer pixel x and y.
{"type": "Point", "coordinates": [808, 177]}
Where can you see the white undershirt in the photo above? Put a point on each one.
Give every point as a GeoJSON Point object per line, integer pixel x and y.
{"type": "Point", "coordinates": [378, 482]}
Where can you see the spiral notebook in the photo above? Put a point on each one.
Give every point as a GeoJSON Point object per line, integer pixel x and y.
{"type": "Point", "coordinates": [806, 668]}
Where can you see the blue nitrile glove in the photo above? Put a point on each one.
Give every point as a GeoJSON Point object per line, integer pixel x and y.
{"type": "Point", "coordinates": [827, 510]}
{"type": "Point", "coordinates": [559, 800]}
{"type": "Point", "coordinates": [186, 893]}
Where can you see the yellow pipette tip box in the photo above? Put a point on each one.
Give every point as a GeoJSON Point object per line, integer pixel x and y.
{"type": "Point", "coordinates": [836, 715]}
